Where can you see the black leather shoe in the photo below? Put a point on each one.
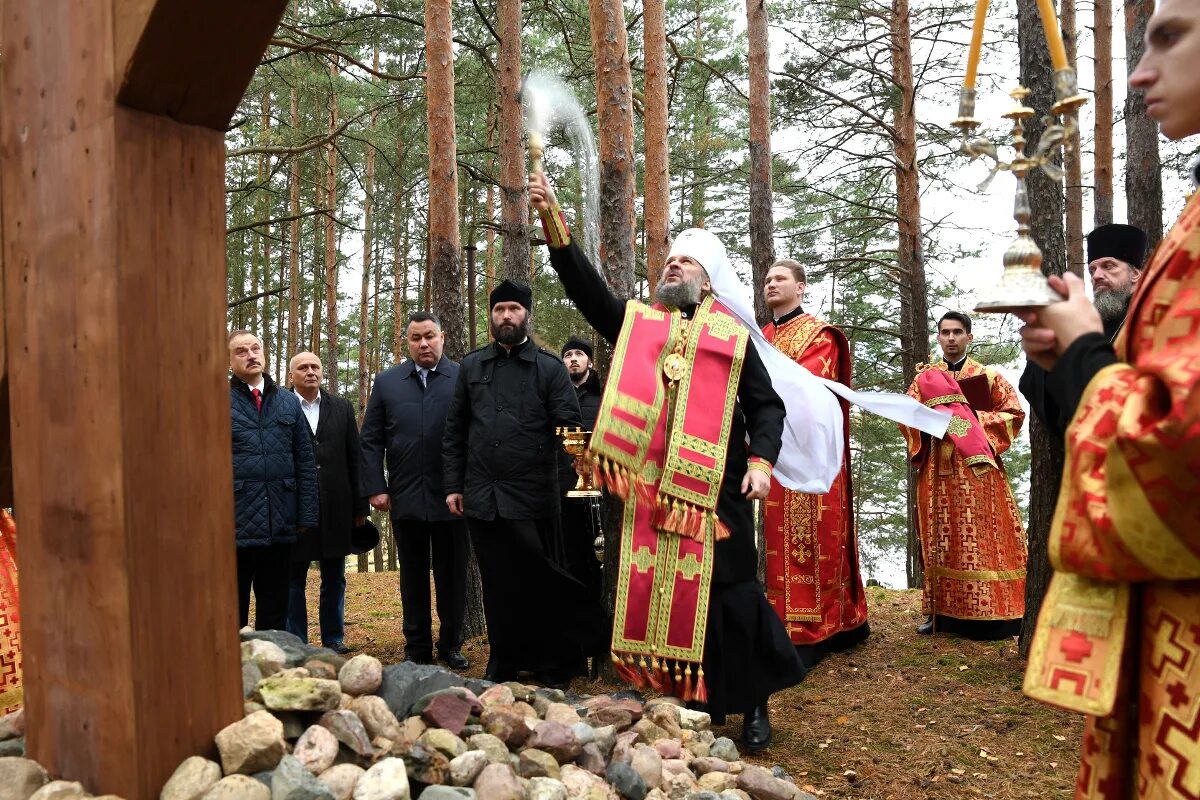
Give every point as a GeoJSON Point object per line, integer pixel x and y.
{"type": "Point", "coordinates": [340, 648]}
{"type": "Point", "coordinates": [756, 730]}
{"type": "Point", "coordinates": [418, 658]}
{"type": "Point", "coordinates": [455, 660]}
{"type": "Point", "coordinates": [926, 627]}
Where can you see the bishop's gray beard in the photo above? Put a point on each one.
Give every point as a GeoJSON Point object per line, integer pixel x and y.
{"type": "Point", "coordinates": [1113, 304]}
{"type": "Point", "coordinates": [678, 295]}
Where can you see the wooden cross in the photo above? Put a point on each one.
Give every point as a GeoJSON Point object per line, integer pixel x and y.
{"type": "Point", "coordinates": [112, 158]}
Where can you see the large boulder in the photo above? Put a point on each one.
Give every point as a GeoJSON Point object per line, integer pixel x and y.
{"type": "Point", "coordinates": [361, 675]}
{"type": "Point", "coordinates": [191, 780]}
{"type": "Point", "coordinates": [293, 781]}
{"type": "Point", "coordinates": [405, 683]}
{"type": "Point", "coordinates": [20, 777]}
{"type": "Point", "coordinates": [299, 694]}
{"type": "Point", "coordinates": [252, 744]}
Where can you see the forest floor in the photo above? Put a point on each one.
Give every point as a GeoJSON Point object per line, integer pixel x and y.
{"type": "Point", "coordinates": [902, 716]}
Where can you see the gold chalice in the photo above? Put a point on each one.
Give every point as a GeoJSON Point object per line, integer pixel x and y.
{"type": "Point", "coordinates": [575, 442]}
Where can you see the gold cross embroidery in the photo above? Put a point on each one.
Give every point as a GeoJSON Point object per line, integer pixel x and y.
{"type": "Point", "coordinates": [642, 560]}
{"type": "Point", "coordinates": [689, 568]}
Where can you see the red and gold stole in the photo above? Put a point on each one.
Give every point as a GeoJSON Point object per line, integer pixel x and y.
{"type": "Point", "coordinates": [938, 389]}
{"type": "Point", "coordinates": [11, 693]}
{"type": "Point", "coordinates": [660, 444]}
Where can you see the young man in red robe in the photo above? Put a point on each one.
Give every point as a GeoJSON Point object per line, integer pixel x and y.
{"type": "Point", "coordinates": [972, 540]}
{"type": "Point", "coordinates": [1118, 637]}
{"type": "Point", "coordinates": [813, 579]}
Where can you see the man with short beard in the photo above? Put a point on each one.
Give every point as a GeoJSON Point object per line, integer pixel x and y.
{"type": "Point", "coordinates": [499, 470]}
{"type": "Point", "coordinates": [689, 431]}
{"type": "Point", "coordinates": [1115, 254]}
{"type": "Point", "coordinates": [580, 514]}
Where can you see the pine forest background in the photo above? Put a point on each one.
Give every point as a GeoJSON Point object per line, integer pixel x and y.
{"type": "Point", "coordinates": [335, 234]}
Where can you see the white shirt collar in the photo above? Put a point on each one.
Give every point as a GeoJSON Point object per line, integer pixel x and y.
{"type": "Point", "coordinates": [261, 385]}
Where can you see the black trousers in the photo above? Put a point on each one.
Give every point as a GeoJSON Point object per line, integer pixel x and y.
{"type": "Point", "coordinates": [265, 570]}
{"type": "Point", "coordinates": [579, 552]}
{"type": "Point", "coordinates": [540, 619]}
{"type": "Point", "coordinates": [445, 544]}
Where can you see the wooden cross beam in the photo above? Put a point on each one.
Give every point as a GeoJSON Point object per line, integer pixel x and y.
{"type": "Point", "coordinates": [112, 163]}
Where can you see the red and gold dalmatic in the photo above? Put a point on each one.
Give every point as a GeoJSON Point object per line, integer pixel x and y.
{"type": "Point", "coordinates": [660, 443]}
{"type": "Point", "coordinates": [11, 693]}
{"type": "Point", "coordinates": [1118, 637]}
{"type": "Point", "coordinates": [972, 541]}
{"type": "Point", "coordinates": [813, 580]}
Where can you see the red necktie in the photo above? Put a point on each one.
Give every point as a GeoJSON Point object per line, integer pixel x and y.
{"type": "Point", "coordinates": [257, 398]}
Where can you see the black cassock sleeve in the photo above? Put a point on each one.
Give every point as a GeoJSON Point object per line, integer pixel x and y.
{"type": "Point", "coordinates": [1041, 402]}
{"type": "Point", "coordinates": [1075, 369]}
{"type": "Point", "coordinates": [586, 288]}
{"type": "Point", "coordinates": [762, 407]}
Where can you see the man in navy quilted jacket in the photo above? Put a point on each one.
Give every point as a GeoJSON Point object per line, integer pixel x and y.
{"type": "Point", "coordinates": [275, 493]}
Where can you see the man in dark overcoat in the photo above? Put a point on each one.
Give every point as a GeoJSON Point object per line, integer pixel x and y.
{"type": "Point", "coordinates": [275, 494]}
{"type": "Point", "coordinates": [334, 430]}
{"type": "Point", "coordinates": [500, 470]}
{"type": "Point", "coordinates": [402, 428]}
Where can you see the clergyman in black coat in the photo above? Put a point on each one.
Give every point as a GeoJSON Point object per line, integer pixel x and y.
{"type": "Point", "coordinates": [501, 472]}
{"type": "Point", "coordinates": [275, 494]}
{"type": "Point", "coordinates": [1116, 254]}
{"type": "Point", "coordinates": [330, 420]}
{"type": "Point", "coordinates": [580, 513]}
{"type": "Point", "coordinates": [402, 428]}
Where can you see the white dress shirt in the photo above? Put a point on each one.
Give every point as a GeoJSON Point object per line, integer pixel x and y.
{"type": "Point", "coordinates": [312, 411]}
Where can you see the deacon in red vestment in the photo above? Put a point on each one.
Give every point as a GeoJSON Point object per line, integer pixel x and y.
{"type": "Point", "coordinates": [972, 541]}
{"type": "Point", "coordinates": [11, 693]}
{"type": "Point", "coordinates": [813, 579]}
{"type": "Point", "coordinates": [1118, 636]}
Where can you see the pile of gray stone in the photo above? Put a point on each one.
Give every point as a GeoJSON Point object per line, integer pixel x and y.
{"type": "Point", "coordinates": [321, 727]}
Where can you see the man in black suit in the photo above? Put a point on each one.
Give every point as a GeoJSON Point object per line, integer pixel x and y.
{"type": "Point", "coordinates": [403, 426]}
{"type": "Point", "coordinates": [343, 506]}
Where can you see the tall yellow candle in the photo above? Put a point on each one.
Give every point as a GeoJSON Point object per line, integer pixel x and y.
{"type": "Point", "coordinates": [1058, 53]}
{"type": "Point", "coordinates": [981, 7]}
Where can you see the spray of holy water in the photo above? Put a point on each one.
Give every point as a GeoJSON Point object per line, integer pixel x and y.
{"type": "Point", "coordinates": [550, 106]}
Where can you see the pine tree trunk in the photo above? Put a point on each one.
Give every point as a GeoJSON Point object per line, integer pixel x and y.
{"type": "Point", "coordinates": [1072, 159]}
{"type": "Point", "coordinates": [514, 202]}
{"type": "Point", "coordinates": [294, 175]}
{"type": "Point", "coordinates": [444, 266]}
{"type": "Point", "coordinates": [368, 254]}
{"type": "Point", "coordinates": [614, 111]}
{"type": "Point", "coordinates": [1104, 113]}
{"type": "Point", "coordinates": [489, 255]}
{"type": "Point", "coordinates": [910, 264]}
{"type": "Point", "coordinates": [657, 200]}
{"type": "Point", "coordinates": [762, 222]}
{"type": "Point", "coordinates": [399, 264]}
{"type": "Point", "coordinates": [1143, 169]}
{"type": "Point", "coordinates": [331, 249]}
{"type": "Point", "coordinates": [1046, 201]}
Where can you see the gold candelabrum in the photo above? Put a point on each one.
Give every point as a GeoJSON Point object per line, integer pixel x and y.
{"type": "Point", "coordinates": [575, 442]}
{"type": "Point", "coordinates": [1023, 285]}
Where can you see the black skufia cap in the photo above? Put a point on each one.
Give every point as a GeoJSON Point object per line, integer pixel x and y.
{"type": "Point", "coordinates": [511, 292]}
{"type": "Point", "coordinates": [1123, 242]}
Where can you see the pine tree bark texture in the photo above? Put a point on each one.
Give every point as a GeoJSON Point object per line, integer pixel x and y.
{"type": "Point", "coordinates": [762, 221]}
{"type": "Point", "coordinates": [514, 202]}
{"type": "Point", "coordinates": [657, 198]}
{"type": "Point", "coordinates": [294, 239]}
{"type": "Point", "coordinates": [614, 111]}
{"type": "Point", "coordinates": [1072, 157]}
{"type": "Point", "coordinates": [910, 260]}
{"type": "Point", "coordinates": [1104, 113]}
{"type": "Point", "coordinates": [331, 249]}
{"type": "Point", "coordinates": [1143, 169]}
{"type": "Point", "coordinates": [445, 269]}
{"type": "Point", "coordinates": [1046, 200]}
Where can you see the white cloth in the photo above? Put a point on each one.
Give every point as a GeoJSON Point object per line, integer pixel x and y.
{"type": "Point", "coordinates": [811, 455]}
{"type": "Point", "coordinates": [312, 411]}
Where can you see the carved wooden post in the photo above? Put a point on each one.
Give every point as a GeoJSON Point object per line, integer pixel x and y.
{"type": "Point", "coordinates": [112, 165]}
